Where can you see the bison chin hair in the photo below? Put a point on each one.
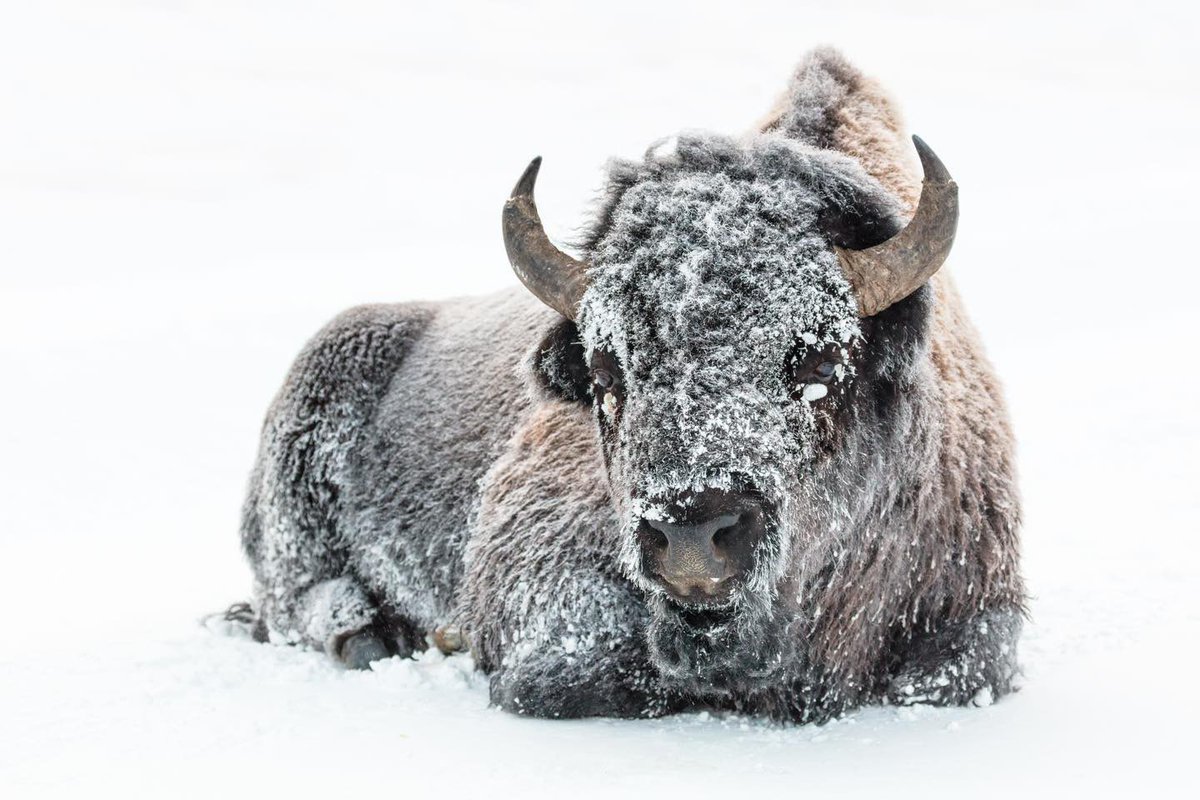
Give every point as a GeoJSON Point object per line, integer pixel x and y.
{"type": "Point", "coordinates": [734, 649]}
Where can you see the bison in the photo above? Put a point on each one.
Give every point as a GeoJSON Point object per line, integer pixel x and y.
{"type": "Point", "coordinates": [745, 453]}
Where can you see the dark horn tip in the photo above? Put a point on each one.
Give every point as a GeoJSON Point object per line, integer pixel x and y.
{"type": "Point", "coordinates": [935, 171]}
{"type": "Point", "coordinates": [528, 178]}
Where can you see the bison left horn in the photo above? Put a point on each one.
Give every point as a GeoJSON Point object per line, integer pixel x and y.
{"type": "Point", "coordinates": [891, 271]}
{"type": "Point", "coordinates": [553, 276]}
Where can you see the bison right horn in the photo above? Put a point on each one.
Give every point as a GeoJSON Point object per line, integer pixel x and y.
{"type": "Point", "coordinates": [891, 271]}
{"type": "Point", "coordinates": [554, 277]}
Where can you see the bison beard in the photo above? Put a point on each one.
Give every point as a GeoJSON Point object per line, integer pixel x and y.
{"type": "Point", "coordinates": [721, 653]}
{"type": "Point", "coordinates": [488, 464]}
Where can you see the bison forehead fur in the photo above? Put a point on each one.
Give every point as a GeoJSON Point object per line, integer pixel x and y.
{"type": "Point", "coordinates": [711, 270]}
{"type": "Point", "coordinates": [450, 464]}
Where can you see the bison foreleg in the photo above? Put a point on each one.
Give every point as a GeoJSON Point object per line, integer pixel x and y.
{"type": "Point", "coordinates": [966, 663]}
{"type": "Point", "coordinates": [335, 616]}
{"type": "Point", "coordinates": [608, 684]}
{"type": "Point", "coordinates": [572, 647]}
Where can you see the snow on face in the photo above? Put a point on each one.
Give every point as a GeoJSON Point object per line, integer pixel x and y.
{"type": "Point", "coordinates": [709, 276]}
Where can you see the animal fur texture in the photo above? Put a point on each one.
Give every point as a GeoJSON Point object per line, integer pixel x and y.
{"type": "Point", "coordinates": [452, 463]}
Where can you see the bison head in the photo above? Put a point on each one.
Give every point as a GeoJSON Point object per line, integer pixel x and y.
{"type": "Point", "coordinates": [724, 316]}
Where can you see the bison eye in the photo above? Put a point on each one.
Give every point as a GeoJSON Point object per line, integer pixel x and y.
{"type": "Point", "coordinates": [810, 371]}
{"type": "Point", "coordinates": [606, 370]}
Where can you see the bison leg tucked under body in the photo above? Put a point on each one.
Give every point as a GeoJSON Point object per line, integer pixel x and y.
{"type": "Point", "coordinates": [971, 662]}
{"type": "Point", "coordinates": [305, 591]}
{"type": "Point", "coordinates": [580, 654]}
{"type": "Point", "coordinates": [551, 617]}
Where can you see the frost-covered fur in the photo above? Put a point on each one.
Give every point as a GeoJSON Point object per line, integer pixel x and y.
{"type": "Point", "coordinates": [448, 463]}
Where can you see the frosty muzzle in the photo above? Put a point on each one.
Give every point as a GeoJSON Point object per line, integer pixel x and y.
{"type": "Point", "coordinates": [702, 547]}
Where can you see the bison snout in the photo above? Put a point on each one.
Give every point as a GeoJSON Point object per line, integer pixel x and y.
{"type": "Point", "coordinates": [703, 557]}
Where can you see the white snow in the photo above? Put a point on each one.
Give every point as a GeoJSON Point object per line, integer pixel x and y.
{"type": "Point", "coordinates": [814, 391]}
{"type": "Point", "coordinates": [189, 190]}
{"type": "Point", "coordinates": [610, 405]}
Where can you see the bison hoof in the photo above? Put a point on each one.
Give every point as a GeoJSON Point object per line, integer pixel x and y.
{"type": "Point", "coordinates": [360, 649]}
{"type": "Point", "coordinates": [449, 639]}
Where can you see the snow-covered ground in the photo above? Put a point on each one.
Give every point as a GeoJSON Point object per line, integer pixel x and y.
{"type": "Point", "coordinates": [189, 189]}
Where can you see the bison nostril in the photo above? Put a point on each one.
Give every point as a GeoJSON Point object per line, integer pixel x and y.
{"type": "Point", "coordinates": [656, 539]}
{"type": "Point", "coordinates": [724, 536]}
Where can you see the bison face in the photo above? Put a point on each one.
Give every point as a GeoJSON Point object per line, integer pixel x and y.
{"type": "Point", "coordinates": [715, 395]}
{"type": "Point", "coordinates": [721, 337]}
{"type": "Point", "coordinates": [721, 344]}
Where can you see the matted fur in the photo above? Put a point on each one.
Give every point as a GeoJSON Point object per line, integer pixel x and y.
{"type": "Point", "coordinates": [442, 463]}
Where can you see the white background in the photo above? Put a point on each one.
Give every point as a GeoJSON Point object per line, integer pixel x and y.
{"type": "Point", "coordinates": [188, 190]}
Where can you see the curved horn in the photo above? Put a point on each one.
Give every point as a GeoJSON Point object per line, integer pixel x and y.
{"type": "Point", "coordinates": [553, 276]}
{"type": "Point", "coordinates": [891, 271]}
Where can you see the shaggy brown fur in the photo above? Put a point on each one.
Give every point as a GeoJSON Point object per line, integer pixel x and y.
{"type": "Point", "coordinates": [972, 544]}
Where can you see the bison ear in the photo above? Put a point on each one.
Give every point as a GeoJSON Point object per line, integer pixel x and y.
{"type": "Point", "coordinates": [560, 366]}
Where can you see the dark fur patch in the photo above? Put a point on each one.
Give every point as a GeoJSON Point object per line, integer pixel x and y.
{"type": "Point", "coordinates": [561, 364]}
{"type": "Point", "coordinates": [856, 220]}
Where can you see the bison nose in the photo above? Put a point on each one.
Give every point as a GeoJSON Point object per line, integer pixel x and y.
{"type": "Point", "coordinates": [700, 561]}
